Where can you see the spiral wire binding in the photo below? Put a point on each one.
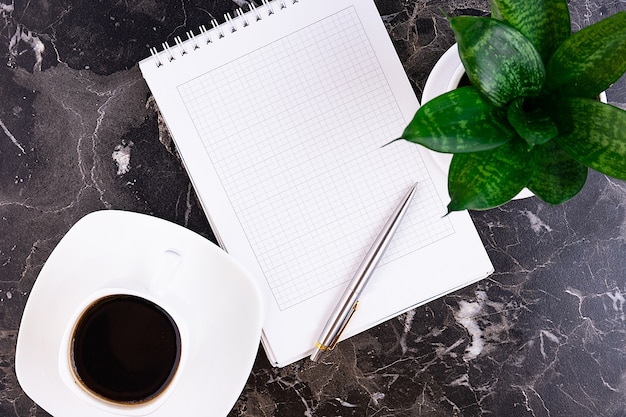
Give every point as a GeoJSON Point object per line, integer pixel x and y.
{"type": "Point", "coordinates": [229, 26]}
{"type": "Point", "coordinates": [241, 15]}
{"type": "Point", "coordinates": [268, 6]}
{"type": "Point", "coordinates": [229, 22]}
{"type": "Point", "coordinates": [254, 10]}
{"type": "Point", "coordinates": [218, 28]}
{"type": "Point", "coordinates": [205, 34]}
{"type": "Point", "coordinates": [194, 41]}
{"type": "Point", "coordinates": [181, 46]}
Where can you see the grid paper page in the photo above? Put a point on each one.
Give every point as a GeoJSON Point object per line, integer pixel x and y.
{"type": "Point", "coordinates": [295, 132]}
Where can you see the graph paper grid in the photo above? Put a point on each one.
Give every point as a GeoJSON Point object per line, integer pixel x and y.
{"type": "Point", "coordinates": [295, 132]}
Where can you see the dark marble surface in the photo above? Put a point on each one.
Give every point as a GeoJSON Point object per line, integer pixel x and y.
{"type": "Point", "coordinates": [545, 335]}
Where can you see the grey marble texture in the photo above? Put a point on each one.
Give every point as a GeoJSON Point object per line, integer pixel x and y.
{"type": "Point", "coordinates": [545, 335]}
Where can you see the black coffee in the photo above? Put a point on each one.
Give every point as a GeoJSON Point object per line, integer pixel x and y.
{"type": "Point", "coordinates": [125, 349]}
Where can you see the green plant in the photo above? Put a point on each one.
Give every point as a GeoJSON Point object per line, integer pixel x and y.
{"type": "Point", "coordinates": [529, 117]}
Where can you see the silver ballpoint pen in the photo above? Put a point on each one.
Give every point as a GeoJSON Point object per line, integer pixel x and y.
{"type": "Point", "coordinates": [350, 299]}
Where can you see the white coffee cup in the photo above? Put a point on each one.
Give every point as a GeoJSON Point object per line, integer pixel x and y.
{"type": "Point", "coordinates": [210, 298]}
{"type": "Point", "coordinates": [75, 382]}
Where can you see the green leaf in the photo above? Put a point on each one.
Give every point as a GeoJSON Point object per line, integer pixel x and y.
{"type": "Point", "coordinates": [495, 11]}
{"type": "Point", "coordinates": [500, 61]}
{"type": "Point", "coordinates": [461, 120]}
{"type": "Point", "coordinates": [487, 179]}
{"type": "Point", "coordinates": [594, 133]}
{"type": "Point", "coordinates": [589, 61]}
{"type": "Point", "coordinates": [546, 23]}
{"type": "Point", "coordinates": [557, 177]}
{"type": "Point", "coordinates": [534, 125]}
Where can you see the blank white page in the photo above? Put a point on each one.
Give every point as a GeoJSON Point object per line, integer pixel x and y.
{"type": "Point", "coordinates": [284, 141]}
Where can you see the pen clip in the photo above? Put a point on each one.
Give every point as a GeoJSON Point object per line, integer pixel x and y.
{"type": "Point", "coordinates": [335, 340]}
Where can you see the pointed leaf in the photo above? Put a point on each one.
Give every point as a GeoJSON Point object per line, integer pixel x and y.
{"type": "Point", "coordinates": [487, 179]}
{"type": "Point", "coordinates": [500, 61]}
{"type": "Point", "coordinates": [495, 11]}
{"type": "Point", "coordinates": [557, 177]}
{"type": "Point", "coordinates": [546, 23]}
{"type": "Point", "coordinates": [534, 125]}
{"type": "Point", "coordinates": [461, 120]}
{"type": "Point", "coordinates": [594, 133]}
{"type": "Point", "coordinates": [591, 60]}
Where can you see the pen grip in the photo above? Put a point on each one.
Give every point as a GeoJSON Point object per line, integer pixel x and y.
{"type": "Point", "coordinates": [338, 320]}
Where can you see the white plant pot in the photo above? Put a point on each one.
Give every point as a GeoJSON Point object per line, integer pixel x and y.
{"type": "Point", "coordinates": [445, 76]}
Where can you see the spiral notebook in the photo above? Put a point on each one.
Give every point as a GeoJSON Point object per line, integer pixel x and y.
{"type": "Point", "coordinates": [280, 114]}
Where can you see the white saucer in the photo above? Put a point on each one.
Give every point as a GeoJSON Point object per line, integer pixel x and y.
{"type": "Point", "coordinates": [213, 300]}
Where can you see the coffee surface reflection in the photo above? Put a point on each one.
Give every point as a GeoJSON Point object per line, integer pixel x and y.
{"type": "Point", "coordinates": [125, 349]}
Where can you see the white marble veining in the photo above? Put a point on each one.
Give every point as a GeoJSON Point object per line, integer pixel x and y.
{"type": "Point", "coordinates": [545, 335]}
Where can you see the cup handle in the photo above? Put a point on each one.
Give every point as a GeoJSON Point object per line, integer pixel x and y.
{"type": "Point", "coordinates": [166, 270]}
